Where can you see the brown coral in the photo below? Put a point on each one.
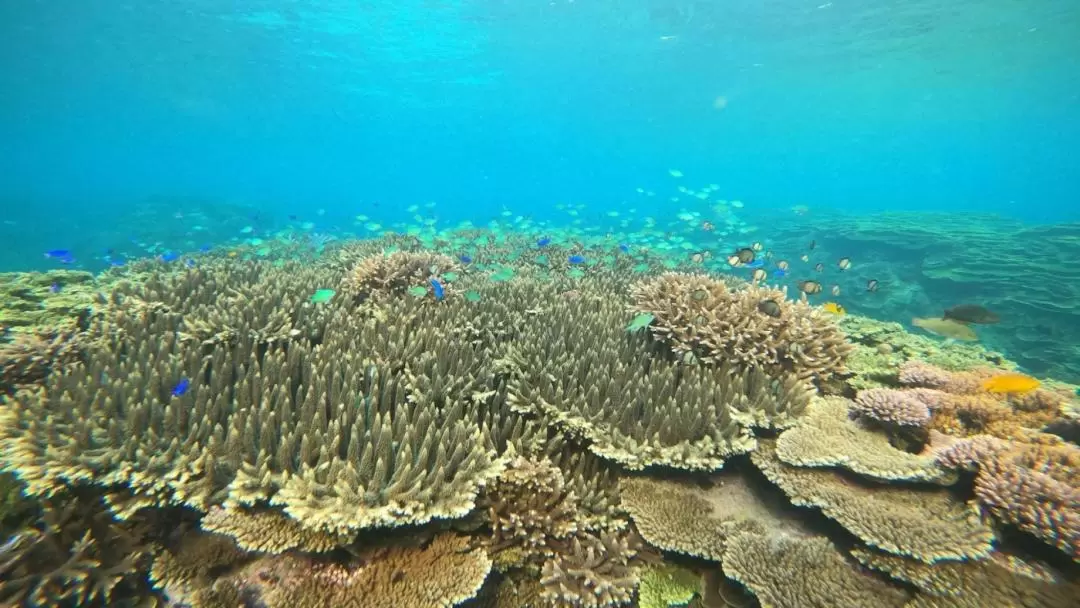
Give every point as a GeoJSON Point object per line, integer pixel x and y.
{"type": "Point", "coordinates": [439, 574]}
{"type": "Point", "coordinates": [1034, 486]}
{"type": "Point", "coordinates": [828, 437]}
{"type": "Point", "coordinates": [701, 315]}
{"type": "Point", "coordinates": [894, 407]}
{"type": "Point", "coordinates": [29, 357]}
{"type": "Point", "coordinates": [927, 524]}
{"type": "Point", "coordinates": [790, 571]}
{"type": "Point", "coordinates": [75, 555]}
{"type": "Point", "coordinates": [385, 275]}
{"type": "Point", "coordinates": [267, 531]}
{"type": "Point", "coordinates": [997, 580]}
{"type": "Point", "coordinates": [593, 571]}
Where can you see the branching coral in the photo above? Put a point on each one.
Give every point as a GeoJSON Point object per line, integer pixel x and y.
{"type": "Point", "coordinates": [788, 571]}
{"type": "Point", "coordinates": [960, 406]}
{"type": "Point", "coordinates": [702, 315]}
{"type": "Point", "coordinates": [385, 275]}
{"type": "Point", "coordinates": [267, 531]}
{"type": "Point", "coordinates": [926, 524]}
{"type": "Point", "coordinates": [29, 357]}
{"type": "Point", "coordinates": [828, 437]}
{"type": "Point", "coordinates": [76, 555]}
{"type": "Point", "coordinates": [895, 407]}
{"type": "Point", "coordinates": [1034, 486]}
{"type": "Point", "coordinates": [636, 408]}
{"type": "Point", "coordinates": [593, 571]}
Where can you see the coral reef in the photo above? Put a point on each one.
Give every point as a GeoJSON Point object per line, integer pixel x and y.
{"type": "Point", "coordinates": [701, 315]}
{"type": "Point", "coordinates": [1034, 486]}
{"type": "Point", "coordinates": [246, 443]}
{"type": "Point", "coordinates": [75, 554]}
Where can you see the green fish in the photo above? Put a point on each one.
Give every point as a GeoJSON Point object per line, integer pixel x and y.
{"type": "Point", "coordinates": [640, 322]}
{"type": "Point", "coordinates": [417, 291]}
{"type": "Point", "coordinates": [322, 295]}
{"type": "Point", "coordinates": [472, 295]}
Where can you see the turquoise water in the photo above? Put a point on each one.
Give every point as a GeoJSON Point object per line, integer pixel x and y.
{"type": "Point", "coordinates": [530, 168]}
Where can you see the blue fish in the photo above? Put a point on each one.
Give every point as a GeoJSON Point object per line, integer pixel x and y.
{"type": "Point", "coordinates": [465, 258]}
{"type": "Point", "coordinates": [576, 259]}
{"type": "Point", "coordinates": [623, 247]}
{"type": "Point", "coordinates": [181, 387]}
{"type": "Point", "coordinates": [758, 263]}
{"type": "Point", "coordinates": [55, 287]}
{"type": "Point", "coordinates": [779, 273]}
{"type": "Point", "coordinates": [543, 242]}
{"type": "Point", "coordinates": [170, 256]}
{"type": "Point", "coordinates": [116, 262]}
{"type": "Point", "coordinates": [190, 263]}
{"type": "Point", "coordinates": [58, 253]}
{"type": "Point", "coordinates": [205, 249]}
{"type": "Point", "coordinates": [437, 289]}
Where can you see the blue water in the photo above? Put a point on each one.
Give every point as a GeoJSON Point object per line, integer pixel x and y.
{"type": "Point", "coordinates": [287, 106]}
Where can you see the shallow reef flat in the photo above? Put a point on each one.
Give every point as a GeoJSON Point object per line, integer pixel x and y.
{"type": "Point", "coordinates": [396, 425]}
{"type": "Point", "coordinates": [1026, 273]}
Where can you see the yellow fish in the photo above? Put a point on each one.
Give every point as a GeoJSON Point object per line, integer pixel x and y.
{"type": "Point", "coordinates": [834, 308]}
{"type": "Point", "coordinates": [1010, 383]}
{"type": "Point", "coordinates": [947, 328]}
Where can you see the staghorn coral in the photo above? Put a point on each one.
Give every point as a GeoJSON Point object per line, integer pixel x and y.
{"type": "Point", "coordinates": [438, 574]}
{"type": "Point", "coordinates": [74, 555]}
{"type": "Point", "coordinates": [529, 509]}
{"type": "Point", "coordinates": [788, 571]}
{"type": "Point", "coordinates": [895, 408]}
{"type": "Point", "coordinates": [593, 571]}
{"type": "Point", "coordinates": [698, 520]}
{"type": "Point", "coordinates": [828, 437]}
{"type": "Point", "coordinates": [311, 425]}
{"type": "Point", "coordinates": [632, 406]}
{"type": "Point", "coordinates": [267, 531]}
{"type": "Point", "coordinates": [1034, 486]}
{"type": "Point", "coordinates": [29, 303]}
{"type": "Point", "coordinates": [384, 275]}
{"type": "Point", "coordinates": [928, 525]}
{"type": "Point", "coordinates": [999, 580]}
{"type": "Point", "coordinates": [701, 315]}
{"type": "Point", "coordinates": [28, 358]}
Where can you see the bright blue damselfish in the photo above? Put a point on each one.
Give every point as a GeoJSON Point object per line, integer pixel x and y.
{"type": "Point", "coordinates": [181, 387]}
{"type": "Point", "coordinates": [437, 289]}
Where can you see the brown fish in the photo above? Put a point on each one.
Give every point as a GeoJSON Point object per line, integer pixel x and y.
{"type": "Point", "coordinates": [946, 328]}
{"type": "Point", "coordinates": [697, 258]}
{"type": "Point", "coordinates": [809, 287]}
{"type": "Point", "coordinates": [746, 255]}
{"type": "Point", "coordinates": [783, 265]}
{"type": "Point", "coordinates": [733, 260]}
{"type": "Point", "coordinates": [872, 285]}
{"type": "Point", "coordinates": [819, 267]}
{"type": "Point", "coordinates": [759, 275]}
{"type": "Point", "coordinates": [769, 307]}
{"type": "Point", "coordinates": [757, 247]}
{"type": "Point", "coordinates": [835, 290]}
{"type": "Point", "coordinates": [972, 313]}
{"type": "Point", "coordinates": [844, 263]}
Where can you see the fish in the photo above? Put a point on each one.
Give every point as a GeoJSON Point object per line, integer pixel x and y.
{"type": "Point", "coordinates": [813, 244]}
{"type": "Point", "coordinates": [769, 307]}
{"type": "Point", "coordinates": [804, 257]}
{"type": "Point", "coordinates": [819, 267]}
{"type": "Point", "coordinates": [190, 263]}
{"type": "Point", "coordinates": [58, 253]}
{"type": "Point", "coordinates": [437, 288]}
{"type": "Point", "coordinates": [697, 258]}
{"type": "Point", "coordinates": [810, 287]}
{"type": "Point", "coordinates": [844, 263]}
{"type": "Point", "coordinates": [576, 259]}
{"type": "Point", "coordinates": [972, 313]}
{"type": "Point", "coordinates": [55, 287]}
{"type": "Point", "coordinates": [707, 226]}
{"type": "Point", "coordinates": [783, 265]}
{"type": "Point", "coordinates": [205, 249]}
{"type": "Point", "coordinates": [946, 328]}
{"type": "Point", "coordinates": [759, 275]}
{"type": "Point", "coordinates": [181, 387]}
{"type": "Point", "coordinates": [758, 263]}
{"type": "Point", "coordinates": [872, 285]}
{"type": "Point", "coordinates": [623, 247]}
{"type": "Point", "coordinates": [835, 290]}
{"type": "Point", "coordinates": [1010, 383]}
{"type": "Point", "coordinates": [757, 247]}
{"type": "Point", "coordinates": [543, 242]}
{"type": "Point", "coordinates": [640, 322]}
{"type": "Point", "coordinates": [834, 308]}
{"type": "Point", "coordinates": [746, 255]}
{"type": "Point", "coordinates": [170, 256]}
{"type": "Point", "coordinates": [322, 295]}
{"type": "Point", "coordinates": [733, 261]}
{"type": "Point", "coordinates": [465, 258]}
{"type": "Point", "coordinates": [778, 273]}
